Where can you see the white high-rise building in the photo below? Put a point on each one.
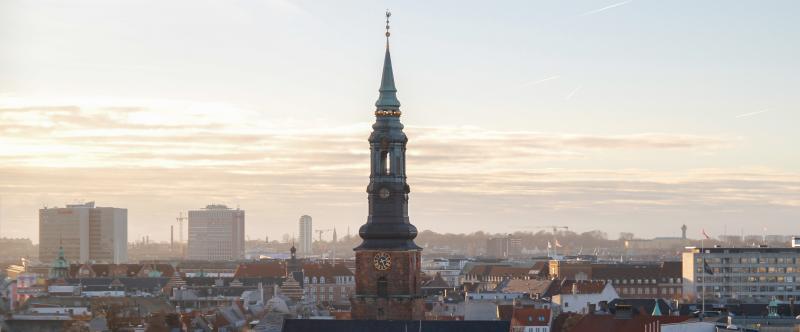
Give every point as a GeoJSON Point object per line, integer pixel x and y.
{"type": "Point", "coordinates": [306, 235]}
{"type": "Point", "coordinates": [87, 233]}
{"type": "Point", "coordinates": [216, 233]}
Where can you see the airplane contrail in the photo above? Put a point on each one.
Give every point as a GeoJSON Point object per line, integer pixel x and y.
{"type": "Point", "coordinates": [569, 96]}
{"type": "Point", "coordinates": [752, 113]}
{"type": "Point", "coordinates": [592, 12]}
{"type": "Point", "coordinates": [542, 80]}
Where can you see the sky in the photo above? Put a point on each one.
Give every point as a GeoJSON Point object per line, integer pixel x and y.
{"type": "Point", "coordinates": [623, 116]}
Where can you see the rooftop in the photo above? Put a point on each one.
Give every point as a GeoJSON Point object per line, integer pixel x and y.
{"type": "Point", "coordinates": [292, 325]}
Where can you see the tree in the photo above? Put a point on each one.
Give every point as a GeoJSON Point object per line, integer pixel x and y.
{"type": "Point", "coordinates": [624, 236]}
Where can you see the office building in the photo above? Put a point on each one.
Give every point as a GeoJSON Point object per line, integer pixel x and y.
{"type": "Point", "coordinates": [748, 274]}
{"type": "Point", "coordinates": [503, 247]}
{"type": "Point", "coordinates": [216, 233]}
{"type": "Point", "coordinates": [87, 233]}
{"type": "Point", "coordinates": [306, 235]}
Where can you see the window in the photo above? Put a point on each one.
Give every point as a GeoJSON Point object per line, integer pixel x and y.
{"type": "Point", "coordinates": [383, 287]}
{"type": "Point", "coordinates": [386, 167]}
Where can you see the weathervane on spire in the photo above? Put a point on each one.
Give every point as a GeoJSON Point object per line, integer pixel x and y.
{"type": "Point", "coordinates": [388, 15]}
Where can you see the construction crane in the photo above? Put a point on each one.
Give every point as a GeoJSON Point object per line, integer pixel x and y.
{"type": "Point", "coordinates": [180, 219]}
{"type": "Point", "coordinates": [321, 231]}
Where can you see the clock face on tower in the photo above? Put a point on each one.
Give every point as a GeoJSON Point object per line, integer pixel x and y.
{"type": "Point", "coordinates": [382, 261]}
{"type": "Point", "coordinates": [384, 193]}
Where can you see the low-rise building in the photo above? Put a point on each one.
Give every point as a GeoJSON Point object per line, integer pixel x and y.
{"type": "Point", "coordinates": [577, 296]}
{"type": "Point", "coordinates": [485, 277]}
{"type": "Point", "coordinates": [531, 319]}
{"type": "Point", "coordinates": [333, 284]}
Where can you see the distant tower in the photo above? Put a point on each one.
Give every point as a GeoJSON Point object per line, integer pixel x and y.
{"type": "Point", "coordinates": [388, 262]}
{"type": "Point", "coordinates": [60, 267]}
{"type": "Point", "coordinates": [306, 235]}
{"type": "Point", "coordinates": [334, 235]}
{"type": "Point", "coordinates": [180, 219]}
{"type": "Point", "coordinates": [293, 265]}
{"type": "Point", "coordinates": [683, 231]}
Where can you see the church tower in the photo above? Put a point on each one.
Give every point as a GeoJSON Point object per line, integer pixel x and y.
{"type": "Point", "coordinates": [388, 262]}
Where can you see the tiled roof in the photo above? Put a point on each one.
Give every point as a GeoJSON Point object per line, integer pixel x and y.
{"type": "Point", "coordinates": [436, 282]}
{"type": "Point", "coordinates": [641, 306]}
{"type": "Point", "coordinates": [498, 271]}
{"type": "Point", "coordinates": [505, 312]}
{"type": "Point", "coordinates": [530, 317]}
{"type": "Point", "coordinates": [530, 286]}
{"type": "Point", "coordinates": [296, 325]}
{"type": "Point", "coordinates": [268, 269]}
{"type": "Point", "coordinates": [637, 323]}
{"type": "Point", "coordinates": [625, 271]}
{"type": "Point", "coordinates": [671, 269]}
{"type": "Point", "coordinates": [582, 287]}
{"type": "Point", "coordinates": [326, 270]}
{"type": "Point", "coordinates": [120, 270]}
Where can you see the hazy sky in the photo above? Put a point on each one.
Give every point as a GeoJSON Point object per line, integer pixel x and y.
{"type": "Point", "coordinates": [621, 116]}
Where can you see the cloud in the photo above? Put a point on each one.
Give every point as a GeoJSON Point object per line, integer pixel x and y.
{"type": "Point", "coordinates": [70, 136]}
{"type": "Point", "coordinates": [157, 162]}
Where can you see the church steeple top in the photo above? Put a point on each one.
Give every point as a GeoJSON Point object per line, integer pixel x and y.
{"type": "Point", "coordinates": [388, 92]}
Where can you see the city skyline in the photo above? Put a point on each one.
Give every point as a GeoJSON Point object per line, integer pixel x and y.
{"type": "Point", "coordinates": [640, 138]}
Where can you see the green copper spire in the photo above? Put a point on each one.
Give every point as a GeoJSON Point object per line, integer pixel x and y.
{"type": "Point", "coordinates": [388, 92]}
{"type": "Point", "coordinates": [656, 310]}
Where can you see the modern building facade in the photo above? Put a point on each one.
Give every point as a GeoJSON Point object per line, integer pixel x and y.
{"type": "Point", "coordinates": [388, 262]}
{"type": "Point", "coordinates": [750, 274]}
{"type": "Point", "coordinates": [306, 235]}
{"type": "Point", "coordinates": [86, 233]}
{"type": "Point", "coordinates": [216, 233]}
{"type": "Point", "coordinates": [503, 247]}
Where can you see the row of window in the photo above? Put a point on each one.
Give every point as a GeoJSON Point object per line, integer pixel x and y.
{"type": "Point", "coordinates": [322, 297]}
{"type": "Point", "coordinates": [329, 289]}
{"type": "Point", "coordinates": [747, 279]}
{"type": "Point", "coordinates": [753, 269]}
{"type": "Point", "coordinates": [644, 281]}
{"type": "Point", "coordinates": [321, 280]}
{"type": "Point", "coordinates": [648, 290]}
{"type": "Point", "coordinates": [751, 289]}
{"type": "Point", "coordinates": [749, 260]}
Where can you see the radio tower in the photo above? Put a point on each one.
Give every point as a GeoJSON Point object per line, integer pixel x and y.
{"type": "Point", "coordinates": [180, 219]}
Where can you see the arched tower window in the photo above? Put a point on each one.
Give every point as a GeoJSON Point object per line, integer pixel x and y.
{"type": "Point", "coordinates": [383, 287]}
{"type": "Point", "coordinates": [386, 165]}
